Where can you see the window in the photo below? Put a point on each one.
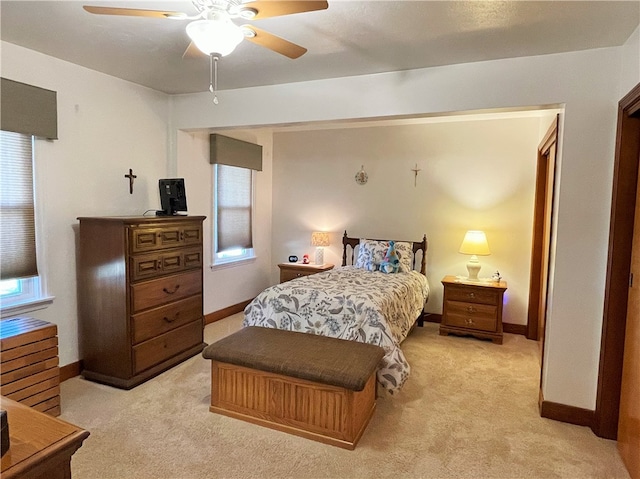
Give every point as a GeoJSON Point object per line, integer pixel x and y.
{"type": "Point", "coordinates": [19, 280]}
{"type": "Point", "coordinates": [233, 214]}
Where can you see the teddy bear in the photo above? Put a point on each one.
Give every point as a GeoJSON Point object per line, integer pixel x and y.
{"type": "Point", "coordinates": [391, 261]}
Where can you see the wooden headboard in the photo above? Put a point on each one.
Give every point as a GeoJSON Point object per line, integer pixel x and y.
{"type": "Point", "coordinates": [417, 246]}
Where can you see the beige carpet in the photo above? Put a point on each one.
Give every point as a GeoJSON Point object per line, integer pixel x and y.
{"type": "Point", "coordinates": [468, 410]}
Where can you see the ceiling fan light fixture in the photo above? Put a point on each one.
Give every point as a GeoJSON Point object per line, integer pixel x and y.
{"type": "Point", "coordinates": [247, 13]}
{"type": "Point", "coordinates": [219, 36]}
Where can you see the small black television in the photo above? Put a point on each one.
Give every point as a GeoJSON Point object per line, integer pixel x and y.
{"type": "Point", "coordinates": [173, 197]}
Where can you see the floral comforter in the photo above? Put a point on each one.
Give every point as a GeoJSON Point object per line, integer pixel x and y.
{"type": "Point", "coordinates": [348, 303]}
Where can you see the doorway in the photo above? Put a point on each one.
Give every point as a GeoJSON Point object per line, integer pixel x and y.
{"type": "Point", "coordinates": [542, 233]}
{"type": "Point", "coordinates": [621, 232]}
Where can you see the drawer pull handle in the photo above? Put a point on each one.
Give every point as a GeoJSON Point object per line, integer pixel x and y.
{"type": "Point", "coordinates": [472, 295]}
{"type": "Point", "coordinates": [171, 292]}
{"type": "Point", "coordinates": [171, 320]}
{"type": "Point", "coordinates": [471, 309]}
{"type": "Point", "coordinates": [469, 322]}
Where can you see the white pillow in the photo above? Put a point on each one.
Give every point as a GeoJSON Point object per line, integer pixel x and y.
{"type": "Point", "coordinates": [371, 253]}
{"type": "Point", "coordinates": [405, 253]}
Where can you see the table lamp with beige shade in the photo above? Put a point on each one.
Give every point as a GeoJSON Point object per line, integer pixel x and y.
{"type": "Point", "coordinates": [319, 239]}
{"type": "Point", "coordinates": [475, 244]}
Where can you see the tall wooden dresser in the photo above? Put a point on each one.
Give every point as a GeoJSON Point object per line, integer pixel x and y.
{"type": "Point", "coordinates": [139, 295]}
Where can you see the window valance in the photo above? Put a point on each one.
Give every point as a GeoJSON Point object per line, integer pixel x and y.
{"type": "Point", "coordinates": [28, 109]}
{"type": "Point", "coordinates": [232, 152]}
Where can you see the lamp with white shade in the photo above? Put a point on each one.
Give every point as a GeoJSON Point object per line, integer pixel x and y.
{"type": "Point", "coordinates": [319, 239]}
{"type": "Point", "coordinates": [475, 244]}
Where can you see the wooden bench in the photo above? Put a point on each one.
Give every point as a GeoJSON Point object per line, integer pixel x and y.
{"type": "Point", "coordinates": [312, 386]}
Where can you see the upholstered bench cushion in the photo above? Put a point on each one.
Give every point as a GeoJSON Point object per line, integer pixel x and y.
{"type": "Point", "coordinates": [337, 362]}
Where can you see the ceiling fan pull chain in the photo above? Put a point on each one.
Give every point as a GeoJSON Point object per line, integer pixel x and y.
{"type": "Point", "coordinates": [213, 76]}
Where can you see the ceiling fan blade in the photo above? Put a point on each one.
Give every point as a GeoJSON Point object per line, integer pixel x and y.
{"type": "Point", "coordinates": [192, 52]}
{"type": "Point", "coordinates": [272, 42]}
{"type": "Point", "coordinates": [276, 8]}
{"type": "Point", "coordinates": [132, 12]}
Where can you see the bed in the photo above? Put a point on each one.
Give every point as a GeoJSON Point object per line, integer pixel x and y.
{"type": "Point", "coordinates": [354, 302]}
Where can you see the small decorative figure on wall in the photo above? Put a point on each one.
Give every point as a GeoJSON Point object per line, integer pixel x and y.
{"type": "Point", "coordinates": [361, 176]}
{"type": "Point", "coordinates": [131, 177]}
{"type": "Point", "coordinates": [415, 174]}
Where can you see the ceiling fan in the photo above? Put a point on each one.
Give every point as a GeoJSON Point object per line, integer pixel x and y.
{"type": "Point", "coordinates": [213, 32]}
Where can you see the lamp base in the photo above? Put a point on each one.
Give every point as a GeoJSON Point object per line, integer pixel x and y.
{"type": "Point", "coordinates": [473, 268]}
{"type": "Point", "coordinates": [319, 255]}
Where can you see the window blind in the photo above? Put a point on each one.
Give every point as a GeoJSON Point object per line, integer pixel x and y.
{"type": "Point", "coordinates": [234, 187]}
{"type": "Point", "coordinates": [17, 218]}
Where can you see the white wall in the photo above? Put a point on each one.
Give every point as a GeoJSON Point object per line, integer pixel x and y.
{"type": "Point", "coordinates": [475, 174]}
{"type": "Point", "coordinates": [227, 286]}
{"type": "Point", "coordinates": [118, 125]}
{"type": "Point", "coordinates": [586, 82]}
{"type": "Point", "coordinates": [630, 76]}
{"type": "Point", "coordinates": [105, 127]}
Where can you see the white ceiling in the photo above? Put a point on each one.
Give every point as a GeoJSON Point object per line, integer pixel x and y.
{"type": "Point", "coordinates": [349, 38]}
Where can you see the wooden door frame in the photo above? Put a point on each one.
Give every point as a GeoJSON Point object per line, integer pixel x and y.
{"type": "Point", "coordinates": [537, 248]}
{"type": "Point", "coordinates": [625, 189]}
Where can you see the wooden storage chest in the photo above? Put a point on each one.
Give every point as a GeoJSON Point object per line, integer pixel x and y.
{"type": "Point", "coordinates": [29, 368]}
{"type": "Point", "coordinates": [140, 296]}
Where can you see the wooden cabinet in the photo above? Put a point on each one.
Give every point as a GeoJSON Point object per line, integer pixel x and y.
{"type": "Point", "coordinates": [289, 271]}
{"type": "Point", "coordinates": [140, 296]}
{"type": "Point", "coordinates": [29, 364]}
{"type": "Point", "coordinates": [473, 308]}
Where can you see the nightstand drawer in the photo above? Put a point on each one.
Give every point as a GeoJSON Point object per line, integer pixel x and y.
{"type": "Point", "coordinates": [473, 295]}
{"type": "Point", "coordinates": [287, 275]}
{"type": "Point", "coordinates": [289, 271]}
{"type": "Point", "coordinates": [475, 310]}
{"type": "Point", "coordinates": [470, 321]}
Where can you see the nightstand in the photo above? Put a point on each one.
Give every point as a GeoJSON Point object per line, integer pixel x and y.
{"type": "Point", "coordinates": [473, 308]}
{"type": "Point", "coordinates": [289, 271]}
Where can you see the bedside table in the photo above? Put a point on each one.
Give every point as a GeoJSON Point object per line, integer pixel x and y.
{"type": "Point", "coordinates": [289, 271]}
{"type": "Point", "coordinates": [473, 308]}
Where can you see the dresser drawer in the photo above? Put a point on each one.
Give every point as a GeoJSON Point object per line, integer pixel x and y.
{"type": "Point", "coordinates": [155, 238]}
{"type": "Point", "coordinates": [148, 239]}
{"type": "Point", "coordinates": [165, 290]}
{"type": "Point", "coordinates": [156, 264]}
{"type": "Point", "coordinates": [473, 295]}
{"type": "Point", "coordinates": [192, 234]}
{"type": "Point", "coordinates": [157, 321]}
{"type": "Point", "coordinates": [156, 350]}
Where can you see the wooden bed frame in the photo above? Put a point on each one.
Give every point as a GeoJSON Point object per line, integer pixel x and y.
{"type": "Point", "coordinates": [417, 246]}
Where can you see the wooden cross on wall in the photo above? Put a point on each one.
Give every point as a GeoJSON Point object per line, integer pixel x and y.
{"type": "Point", "coordinates": [131, 177]}
{"type": "Point", "coordinates": [415, 174]}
